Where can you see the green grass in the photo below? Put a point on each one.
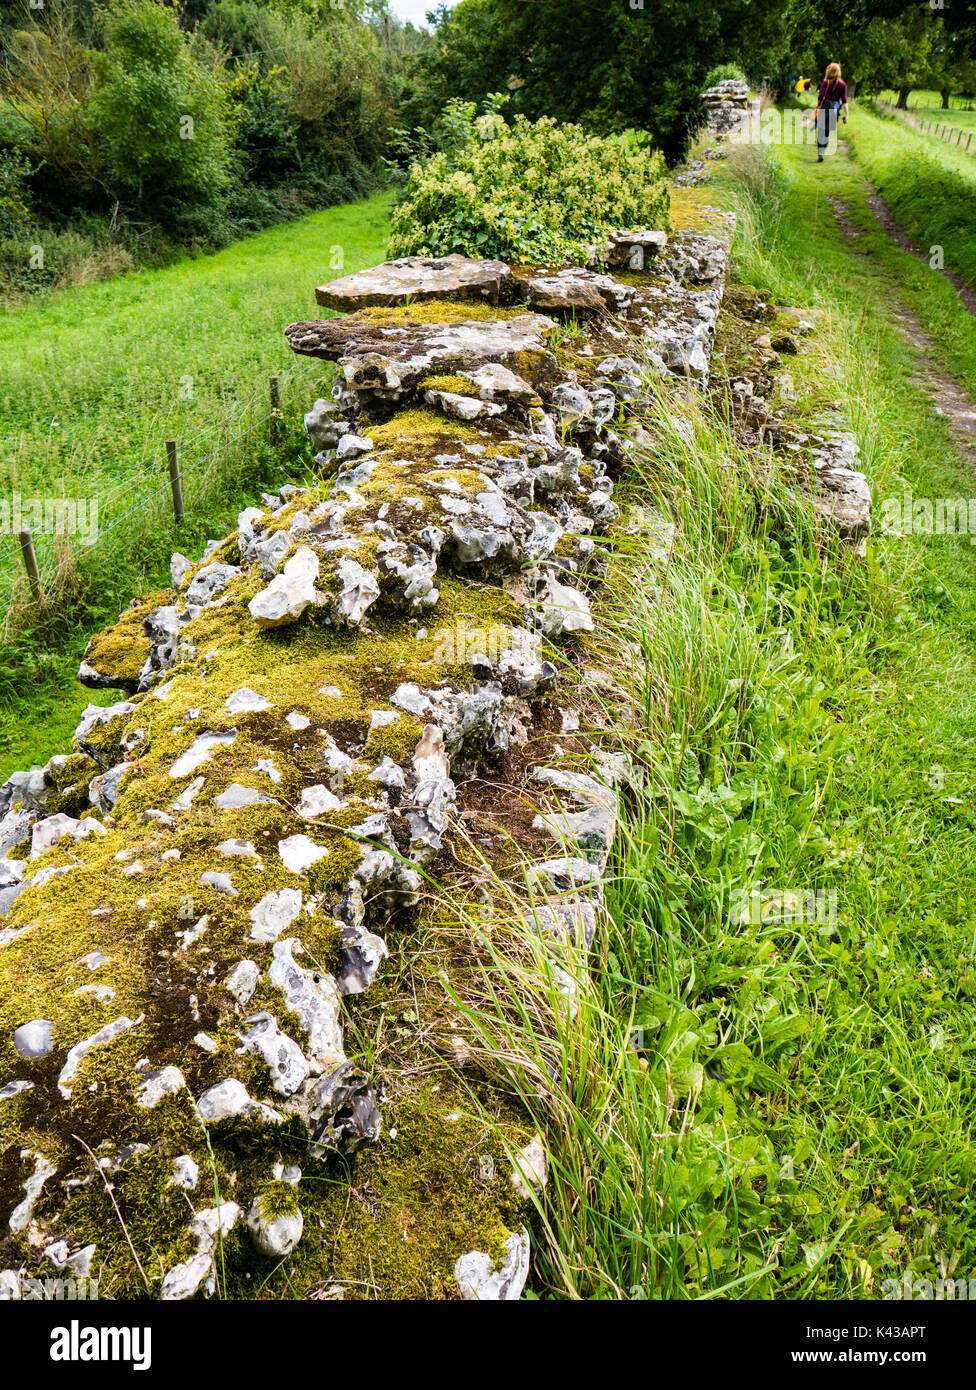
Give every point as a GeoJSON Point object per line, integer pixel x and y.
{"type": "Point", "coordinates": [929, 185]}
{"type": "Point", "coordinates": [797, 1121]}
{"type": "Point", "coordinates": [928, 106]}
{"type": "Point", "coordinates": [94, 379]}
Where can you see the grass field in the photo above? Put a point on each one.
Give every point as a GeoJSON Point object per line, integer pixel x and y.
{"type": "Point", "coordinates": [928, 106]}
{"type": "Point", "coordinates": [93, 380]}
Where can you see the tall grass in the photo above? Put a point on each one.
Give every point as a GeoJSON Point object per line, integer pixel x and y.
{"type": "Point", "coordinates": [765, 1108]}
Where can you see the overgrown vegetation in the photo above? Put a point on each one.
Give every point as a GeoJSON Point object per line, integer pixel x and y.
{"type": "Point", "coordinates": [129, 131]}
{"type": "Point", "coordinates": [532, 191]}
{"type": "Point", "coordinates": [746, 1105]}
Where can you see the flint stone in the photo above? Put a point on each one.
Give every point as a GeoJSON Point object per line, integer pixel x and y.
{"type": "Point", "coordinates": [299, 853]}
{"type": "Point", "coordinates": [242, 980]}
{"type": "Point", "coordinates": [289, 593]}
{"type": "Point", "coordinates": [11, 872]}
{"type": "Point", "coordinates": [358, 589]}
{"type": "Point", "coordinates": [325, 424]}
{"type": "Point", "coordinates": [362, 954]}
{"type": "Point", "coordinates": [93, 715]}
{"type": "Point", "coordinates": [236, 797]}
{"type": "Point", "coordinates": [156, 1085]}
{"type": "Point", "coordinates": [15, 1088]}
{"type": "Point", "coordinates": [35, 1039]}
{"type": "Point", "coordinates": [199, 752]}
{"type": "Point", "coordinates": [103, 790]}
{"type": "Point", "coordinates": [81, 1050]}
{"type": "Point", "coordinates": [313, 998]}
{"type": "Point", "coordinates": [21, 1215]}
{"type": "Point", "coordinates": [591, 831]}
{"type": "Point", "coordinates": [49, 831]}
{"type": "Point", "coordinates": [277, 1236]}
{"type": "Point", "coordinates": [562, 608]}
{"type": "Point", "coordinates": [281, 1053]}
{"type": "Point", "coordinates": [208, 582]}
{"type": "Point", "coordinates": [845, 498]}
{"type": "Point", "coordinates": [351, 446]}
{"type": "Point", "coordinates": [316, 801]}
{"type": "Point", "coordinates": [577, 784]}
{"type": "Point", "coordinates": [480, 1280]}
{"type": "Point", "coordinates": [246, 700]}
{"type": "Point", "coordinates": [274, 914]}
{"type": "Point", "coordinates": [530, 1170]}
{"type": "Point", "coordinates": [229, 1098]}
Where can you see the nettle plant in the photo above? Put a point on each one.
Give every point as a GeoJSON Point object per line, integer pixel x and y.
{"type": "Point", "coordinates": [526, 191]}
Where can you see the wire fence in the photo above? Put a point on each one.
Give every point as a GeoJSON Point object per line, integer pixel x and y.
{"type": "Point", "coordinates": [952, 135]}
{"type": "Point", "coordinates": [176, 481]}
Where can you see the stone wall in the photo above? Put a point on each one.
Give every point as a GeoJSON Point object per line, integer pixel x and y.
{"type": "Point", "coordinates": [210, 908]}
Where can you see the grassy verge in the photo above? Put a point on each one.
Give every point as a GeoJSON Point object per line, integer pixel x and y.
{"type": "Point", "coordinates": [94, 380]}
{"type": "Point", "coordinates": [793, 1116]}
{"type": "Point", "coordinates": [928, 105]}
{"type": "Point", "coordinates": [929, 185]}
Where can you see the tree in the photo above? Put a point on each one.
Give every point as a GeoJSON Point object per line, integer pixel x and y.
{"type": "Point", "coordinates": [952, 68]}
{"type": "Point", "coordinates": [896, 53]}
{"type": "Point", "coordinates": [640, 64]}
{"type": "Point", "coordinates": [162, 114]}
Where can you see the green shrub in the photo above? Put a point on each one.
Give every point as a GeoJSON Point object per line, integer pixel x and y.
{"type": "Point", "coordinates": [162, 114]}
{"type": "Point", "coordinates": [14, 211]}
{"type": "Point", "coordinates": [725, 72]}
{"type": "Point", "coordinates": [535, 191]}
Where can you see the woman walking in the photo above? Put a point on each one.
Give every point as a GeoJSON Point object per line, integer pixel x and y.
{"type": "Point", "coordinates": [831, 97]}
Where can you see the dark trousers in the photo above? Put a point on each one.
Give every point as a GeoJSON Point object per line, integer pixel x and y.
{"type": "Point", "coordinates": [826, 123]}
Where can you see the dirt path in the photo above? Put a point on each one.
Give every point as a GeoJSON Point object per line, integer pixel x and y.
{"type": "Point", "coordinates": [947, 397]}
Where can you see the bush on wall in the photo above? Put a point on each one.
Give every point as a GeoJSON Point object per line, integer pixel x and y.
{"type": "Point", "coordinates": [533, 190]}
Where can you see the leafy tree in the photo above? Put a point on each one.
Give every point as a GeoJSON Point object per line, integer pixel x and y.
{"type": "Point", "coordinates": [897, 53]}
{"type": "Point", "coordinates": [637, 64]}
{"type": "Point", "coordinates": [952, 67]}
{"type": "Point", "coordinates": [162, 114]}
{"type": "Point", "coordinates": [46, 112]}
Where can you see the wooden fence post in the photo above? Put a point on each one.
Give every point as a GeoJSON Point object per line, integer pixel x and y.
{"type": "Point", "coordinates": [275, 410]}
{"type": "Point", "coordinates": [30, 565]}
{"type": "Point", "coordinates": [174, 480]}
